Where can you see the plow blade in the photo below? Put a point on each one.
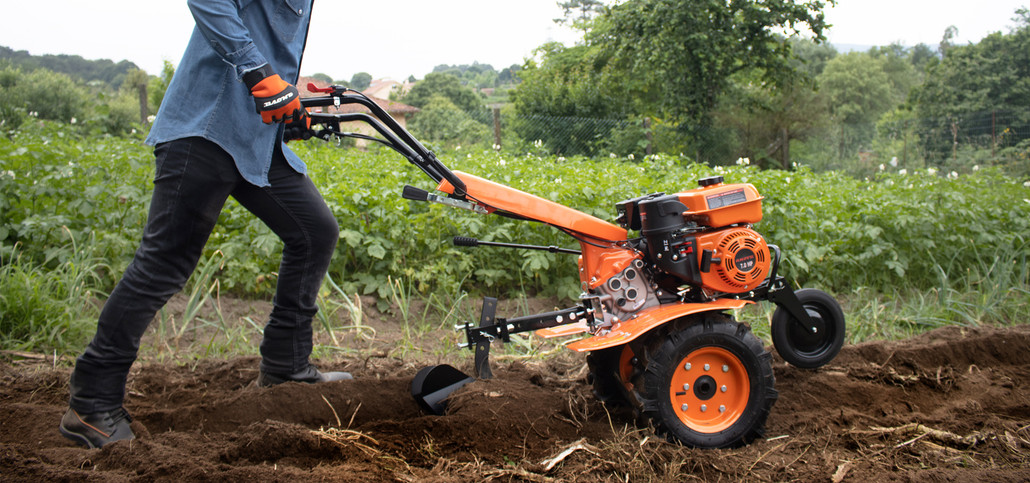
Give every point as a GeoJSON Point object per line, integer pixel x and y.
{"type": "Point", "coordinates": [433, 384]}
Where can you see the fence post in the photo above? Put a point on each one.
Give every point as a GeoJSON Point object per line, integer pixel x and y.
{"type": "Point", "coordinates": [994, 133]}
{"type": "Point", "coordinates": [497, 126]}
{"type": "Point", "coordinates": [143, 110]}
{"type": "Point", "coordinates": [647, 133]}
{"type": "Point", "coordinates": [785, 141]}
{"type": "Point", "coordinates": [904, 136]}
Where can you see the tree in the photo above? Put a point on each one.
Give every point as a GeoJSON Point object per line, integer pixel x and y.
{"type": "Point", "coordinates": [159, 85]}
{"type": "Point", "coordinates": [136, 81]}
{"type": "Point", "coordinates": [977, 81]}
{"type": "Point", "coordinates": [763, 119]}
{"type": "Point", "coordinates": [574, 83]}
{"type": "Point", "coordinates": [580, 12]}
{"type": "Point", "coordinates": [361, 81]}
{"type": "Point", "coordinates": [858, 92]}
{"type": "Point", "coordinates": [509, 75]}
{"type": "Point", "coordinates": [322, 77]}
{"type": "Point", "coordinates": [43, 94]}
{"type": "Point", "coordinates": [443, 122]}
{"type": "Point", "coordinates": [683, 52]}
{"type": "Point", "coordinates": [901, 73]}
{"type": "Point", "coordinates": [446, 85]}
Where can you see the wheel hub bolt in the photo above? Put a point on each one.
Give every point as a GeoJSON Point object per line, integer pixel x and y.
{"type": "Point", "coordinates": [722, 409]}
{"type": "Point", "coordinates": [686, 366]}
{"type": "Point", "coordinates": [725, 368]}
{"type": "Point", "coordinates": [723, 389]}
{"type": "Point", "coordinates": [685, 407]}
{"type": "Point", "coordinates": [704, 407]}
{"type": "Point", "coordinates": [707, 367]}
{"type": "Point", "coordinates": [686, 387]}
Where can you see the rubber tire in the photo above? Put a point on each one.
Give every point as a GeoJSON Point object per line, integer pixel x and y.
{"type": "Point", "coordinates": [786, 332]}
{"type": "Point", "coordinates": [604, 376]}
{"type": "Point", "coordinates": [667, 355]}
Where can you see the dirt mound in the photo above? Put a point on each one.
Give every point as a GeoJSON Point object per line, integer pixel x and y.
{"type": "Point", "coordinates": [951, 405]}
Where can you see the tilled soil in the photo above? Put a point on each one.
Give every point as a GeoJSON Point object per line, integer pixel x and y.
{"type": "Point", "coordinates": [950, 405]}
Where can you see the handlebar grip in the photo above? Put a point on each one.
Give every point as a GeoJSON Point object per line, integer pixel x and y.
{"type": "Point", "coordinates": [464, 241]}
{"type": "Point", "coordinates": [414, 194]}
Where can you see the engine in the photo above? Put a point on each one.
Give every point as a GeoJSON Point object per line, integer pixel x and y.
{"type": "Point", "coordinates": [701, 237]}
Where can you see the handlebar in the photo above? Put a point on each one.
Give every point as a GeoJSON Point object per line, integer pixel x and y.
{"type": "Point", "coordinates": [395, 135]}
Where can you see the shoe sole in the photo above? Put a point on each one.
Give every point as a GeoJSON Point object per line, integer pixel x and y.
{"type": "Point", "coordinates": [76, 438]}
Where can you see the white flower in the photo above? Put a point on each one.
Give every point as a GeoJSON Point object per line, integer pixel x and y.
{"type": "Point", "coordinates": [931, 171]}
{"type": "Point", "coordinates": [151, 118]}
{"type": "Point", "coordinates": [881, 167]}
{"type": "Point", "coordinates": [133, 130]}
{"type": "Point", "coordinates": [976, 167]}
{"type": "Point", "coordinates": [788, 179]}
{"type": "Point", "coordinates": [1026, 184]}
{"type": "Point", "coordinates": [497, 147]}
{"type": "Point", "coordinates": [501, 162]}
{"type": "Point", "coordinates": [894, 162]}
{"type": "Point", "coordinates": [557, 180]}
{"type": "Point", "coordinates": [903, 171]}
{"type": "Point", "coordinates": [9, 173]}
{"type": "Point", "coordinates": [743, 161]}
{"type": "Point", "coordinates": [561, 158]}
{"type": "Point", "coordinates": [612, 155]}
{"type": "Point", "coordinates": [630, 156]}
{"type": "Point", "coordinates": [458, 148]}
{"type": "Point", "coordinates": [73, 121]}
{"type": "Point", "coordinates": [538, 143]}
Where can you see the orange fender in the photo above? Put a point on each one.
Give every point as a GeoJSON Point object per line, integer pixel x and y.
{"type": "Point", "coordinates": [644, 321]}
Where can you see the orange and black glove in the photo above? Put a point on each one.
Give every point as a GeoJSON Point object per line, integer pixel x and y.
{"type": "Point", "coordinates": [275, 99]}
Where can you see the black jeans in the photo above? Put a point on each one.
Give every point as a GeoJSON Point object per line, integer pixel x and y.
{"type": "Point", "coordinates": [194, 178]}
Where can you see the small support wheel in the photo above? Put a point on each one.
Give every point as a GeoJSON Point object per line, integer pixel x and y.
{"type": "Point", "coordinates": [799, 346]}
{"type": "Point", "coordinates": [709, 385]}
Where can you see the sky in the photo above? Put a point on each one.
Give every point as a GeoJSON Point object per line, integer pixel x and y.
{"type": "Point", "coordinates": [398, 38]}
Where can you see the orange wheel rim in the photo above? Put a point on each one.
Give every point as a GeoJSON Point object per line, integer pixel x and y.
{"type": "Point", "coordinates": [626, 367]}
{"type": "Point", "coordinates": [709, 389]}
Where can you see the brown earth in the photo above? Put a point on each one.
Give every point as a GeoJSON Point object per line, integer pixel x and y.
{"type": "Point", "coordinates": [950, 405]}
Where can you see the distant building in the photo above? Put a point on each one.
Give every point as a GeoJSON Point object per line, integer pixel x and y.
{"type": "Point", "coordinates": [398, 111]}
{"type": "Point", "coordinates": [386, 88]}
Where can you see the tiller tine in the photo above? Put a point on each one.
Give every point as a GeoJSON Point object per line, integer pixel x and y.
{"type": "Point", "coordinates": [433, 384]}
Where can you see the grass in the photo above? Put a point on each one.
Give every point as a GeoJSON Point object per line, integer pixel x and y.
{"type": "Point", "coordinates": [49, 305]}
{"type": "Point", "coordinates": [52, 306]}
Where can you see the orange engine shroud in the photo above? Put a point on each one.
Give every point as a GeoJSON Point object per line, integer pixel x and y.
{"type": "Point", "coordinates": [721, 204]}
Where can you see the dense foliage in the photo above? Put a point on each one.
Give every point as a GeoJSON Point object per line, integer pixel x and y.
{"type": "Point", "coordinates": [718, 81]}
{"type": "Point", "coordinates": [104, 71]}
{"type": "Point", "coordinates": [896, 230]}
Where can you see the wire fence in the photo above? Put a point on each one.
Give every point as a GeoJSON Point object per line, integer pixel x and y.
{"type": "Point", "coordinates": [958, 143]}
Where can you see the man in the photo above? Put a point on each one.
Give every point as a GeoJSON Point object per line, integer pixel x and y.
{"type": "Point", "coordinates": [211, 144]}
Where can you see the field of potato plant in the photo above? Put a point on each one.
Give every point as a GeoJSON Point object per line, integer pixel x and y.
{"type": "Point", "coordinates": [910, 250]}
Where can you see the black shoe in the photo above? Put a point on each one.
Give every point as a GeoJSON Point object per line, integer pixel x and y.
{"type": "Point", "coordinates": [311, 375]}
{"type": "Point", "coordinates": [96, 429]}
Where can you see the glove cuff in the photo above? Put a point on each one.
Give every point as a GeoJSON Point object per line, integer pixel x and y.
{"type": "Point", "coordinates": [253, 77]}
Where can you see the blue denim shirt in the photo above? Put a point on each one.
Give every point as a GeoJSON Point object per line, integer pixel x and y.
{"type": "Point", "coordinates": [207, 96]}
